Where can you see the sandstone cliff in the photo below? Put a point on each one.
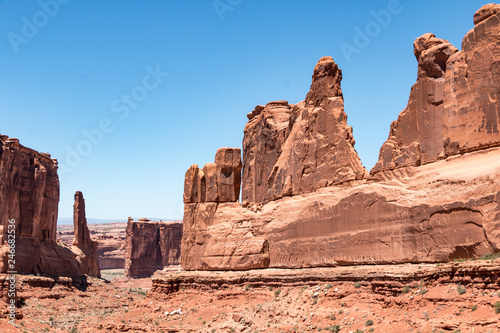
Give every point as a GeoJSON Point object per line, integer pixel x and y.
{"type": "Point", "coordinates": [308, 202]}
{"type": "Point", "coordinates": [293, 149]}
{"type": "Point", "coordinates": [110, 240]}
{"type": "Point", "coordinates": [216, 182]}
{"type": "Point", "coordinates": [453, 107]}
{"type": "Point", "coordinates": [84, 248]}
{"type": "Point", "coordinates": [150, 246]}
{"type": "Point", "coordinates": [29, 194]}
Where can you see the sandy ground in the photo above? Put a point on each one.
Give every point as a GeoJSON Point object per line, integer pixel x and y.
{"type": "Point", "coordinates": [129, 305]}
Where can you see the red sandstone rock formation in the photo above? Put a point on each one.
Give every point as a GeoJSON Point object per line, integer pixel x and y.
{"type": "Point", "coordinates": [84, 248]}
{"type": "Point", "coordinates": [111, 253]}
{"type": "Point", "coordinates": [29, 194]}
{"type": "Point", "coordinates": [80, 229]}
{"type": "Point", "coordinates": [453, 107]}
{"type": "Point", "coordinates": [150, 246]}
{"type": "Point", "coordinates": [428, 205]}
{"type": "Point", "coordinates": [110, 240]}
{"type": "Point", "coordinates": [29, 189]}
{"type": "Point", "coordinates": [216, 182]}
{"type": "Point", "coordinates": [293, 149]}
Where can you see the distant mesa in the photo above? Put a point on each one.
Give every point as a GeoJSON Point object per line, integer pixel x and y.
{"type": "Point", "coordinates": [151, 246]}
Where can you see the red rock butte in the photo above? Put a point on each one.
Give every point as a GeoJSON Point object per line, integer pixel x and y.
{"type": "Point", "coordinates": [151, 246]}
{"type": "Point", "coordinates": [29, 192]}
{"type": "Point", "coordinates": [307, 201]}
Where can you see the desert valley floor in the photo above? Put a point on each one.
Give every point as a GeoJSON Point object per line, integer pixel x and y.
{"type": "Point", "coordinates": [451, 297]}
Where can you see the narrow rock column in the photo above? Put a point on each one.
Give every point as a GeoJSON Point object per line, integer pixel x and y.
{"type": "Point", "coordinates": [81, 231]}
{"type": "Point", "coordinates": [84, 248]}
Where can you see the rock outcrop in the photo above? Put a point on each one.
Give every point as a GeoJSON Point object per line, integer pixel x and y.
{"type": "Point", "coordinates": [454, 105]}
{"type": "Point", "coordinates": [308, 202]}
{"type": "Point", "coordinates": [294, 149]}
{"type": "Point", "coordinates": [216, 182]}
{"type": "Point", "coordinates": [84, 248]}
{"type": "Point", "coordinates": [151, 246]}
{"type": "Point", "coordinates": [29, 190]}
{"type": "Point", "coordinates": [29, 194]}
{"type": "Point", "coordinates": [111, 253]}
{"type": "Point", "coordinates": [109, 238]}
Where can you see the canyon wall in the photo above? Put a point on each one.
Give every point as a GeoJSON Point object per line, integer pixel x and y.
{"type": "Point", "coordinates": [110, 240]}
{"type": "Point", "coordinates": [151, 246]}
{"type": "Point", "coordinates": [111, 252]}
{"type": "Point", "coordinates": [29, 192]}
{"type": "Point", "coordinates": [29, 195]}
{"type": "Point", "coordinates": [307, 201]}
{"type": "Point", "coordinates": [454, 105]}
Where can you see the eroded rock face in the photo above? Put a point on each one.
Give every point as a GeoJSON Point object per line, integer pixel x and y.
{"type": "Point", "coordinates": [29, 194]}
{"type": "Point", "coordinates": [83, 246]}
{"type": "Point", "coordinates": [294, 149]}
{"type": "Point", "coordinates": [216, 182]}
{"type": "Point", "coordinates": [150, 246]}
{"type": "Point", "coordinates": [453, 107]}
{"type": "Point", "coordinates": [217, 237]}
{"type": "Point", "coordinates": [29, 190]}
{"type": "Point", "coordinates": [80, 229]}
{"type": "Point", "coordinates": [437, 212]}
{"type": "Point", "coordinates": [485, 12]}
{"type": "Point", "coordinates": [432, 197]}
{"type": "Point", "coordinates": [265, 135]}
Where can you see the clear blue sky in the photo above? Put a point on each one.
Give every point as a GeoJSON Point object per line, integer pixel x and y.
{"type": "Point", "coordinates": [71, 70]}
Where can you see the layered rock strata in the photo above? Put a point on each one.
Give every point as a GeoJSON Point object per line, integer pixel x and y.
{"type": "Point", "coordinates": [29, 195]}
{"type": "Point", "coordinates": [308, 202]}
{"type": "Point", "coordinates": [454, 105]}
{"type": "Point", "coordinates": [151, 246]}
{"type": "Point", "coordinates": [293, 149]}
{"type": "Point", "coordinates": [111, 252]}
{"type": "Point", "coordinates": [382, 279]}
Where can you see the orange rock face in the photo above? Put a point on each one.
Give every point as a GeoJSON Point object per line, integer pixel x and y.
{"type": "Point", "coordinates": [453, 107]}
{"type": "Point", "coordinates": [29, 194]}
{"type": "Point", "coordinates": [294, 149]}
{"type": "Point", "coordinates": [29, 190]}
{"type": "Point", "coordinates": [308, 202]}
{"type": "Point", "coordinates": [150, 246]}
{"type": "Point", "coordinates": [83, 246]}
{"type": "Point", "coordinates": [216, 182]}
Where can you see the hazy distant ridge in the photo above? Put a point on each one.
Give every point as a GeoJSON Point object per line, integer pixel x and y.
{"type": "Point", "coordinates": [69, 220]}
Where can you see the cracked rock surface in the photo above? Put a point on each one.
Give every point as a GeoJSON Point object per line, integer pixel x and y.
{"type": "Point", "coordinates": [308, 202]}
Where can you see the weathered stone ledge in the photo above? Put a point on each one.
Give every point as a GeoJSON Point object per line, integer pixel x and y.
{"type": "Point", "coordinates": [482, 273]}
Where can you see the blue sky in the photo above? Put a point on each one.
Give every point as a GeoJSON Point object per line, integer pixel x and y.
{"type": "Point", "coordinates": [140, 90]}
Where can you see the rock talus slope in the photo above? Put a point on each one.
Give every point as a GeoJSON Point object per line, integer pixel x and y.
{"type": "Point", "coordinates": [308, 202]}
